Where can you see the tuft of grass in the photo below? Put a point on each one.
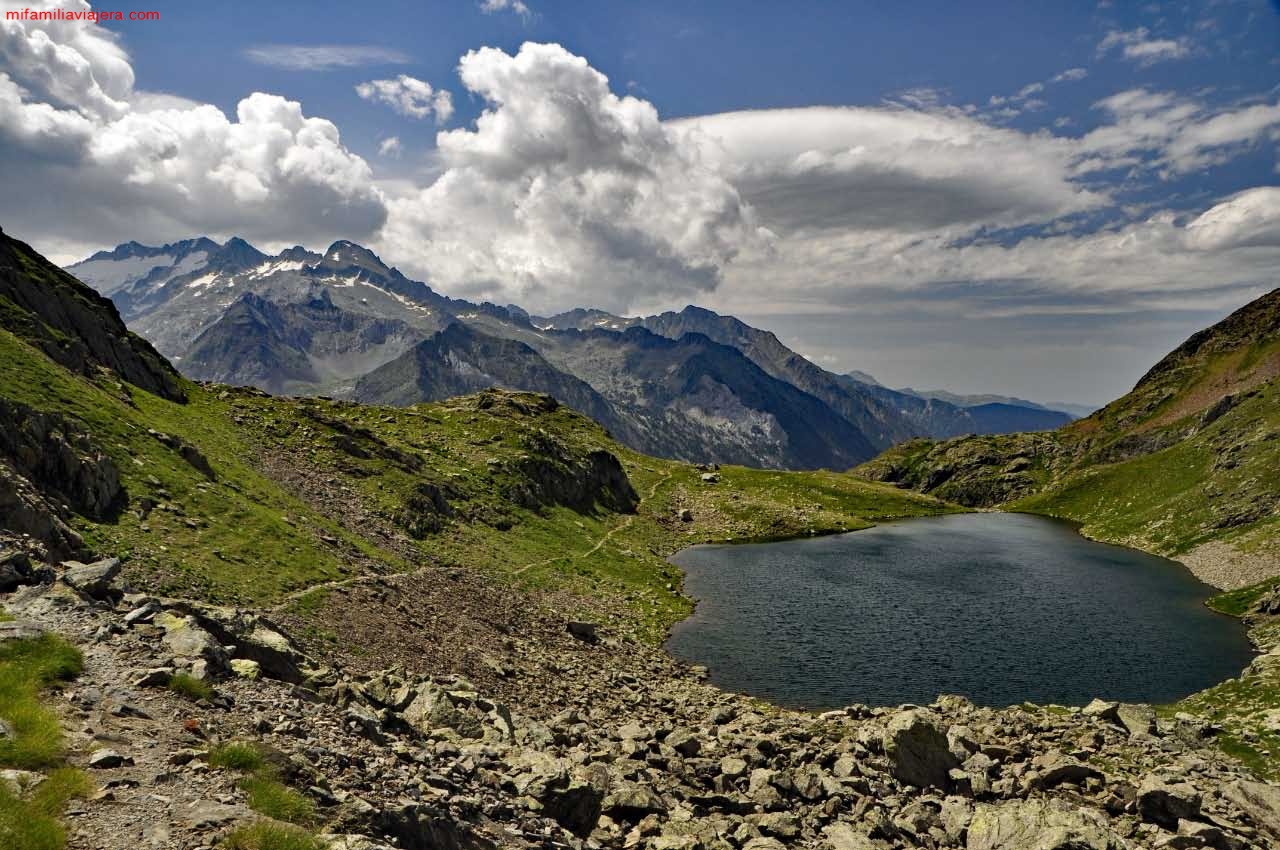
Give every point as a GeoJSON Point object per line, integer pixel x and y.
{"type": "Point", "coordinates": [26, 667]}
{"type": "Point", "coordinates": [265, 835]}
{"type": "Point", "coordinates": [238, 755]}
{"type": "Point", "coordinates": [190, 687]}
{"type": "Point", "coordinates": [271, 797]}
{"type": "Point", "coordinates": [267, 795]}
{"type": "Point", "coordinates": [30, 820]}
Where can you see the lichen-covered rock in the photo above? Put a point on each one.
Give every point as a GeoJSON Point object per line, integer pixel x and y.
{"type": "Point", "coordinates": [1166, 803]}
{"type": "Point", "coordinates": [916, 744]}
{"type": "Point", "coordinates": [1039, 825]}
{"type": "Point", "coordinates": [92, 579]}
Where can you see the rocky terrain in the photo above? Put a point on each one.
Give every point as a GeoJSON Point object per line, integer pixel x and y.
{"type": "Point", "coordinates": [624, 749]}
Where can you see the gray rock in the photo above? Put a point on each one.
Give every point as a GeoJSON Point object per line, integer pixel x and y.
{"type": "Point", "coordinates": [185, 639]}
{"type": "Point", "coordinates": [1039, 825]}
{"type": "Point", "coordinates": [20, 630]}
{"type": "Point", "coordinates": [142, 614]}
{"type": "Point", "coordinates": [107, 759]}
{"type": "Point", "coordinates": [685, 742]}
{"type": "Point", "coordinates": [583, 631]}
{"type": "Point", "coordinates": [1137, 719]}
{"type": "Point", "coordinates": [157, 677]}
{"type": "Point", "coordinates": [92, 579]}
{"type": "Point", "coordinates": [917, 746]}
{"type": "Point", "coordinates": [208, 814]}
{"type": "Point", "coordinates": [631, 802]}
{"type": "Point", "coordinates": [1103, 710]}
{"type": "Point", "coordinates": [432, 709]}
{"type": "Point", "coordinates": [1258, 800]}
{"type": "Point", "coordinates": [576, 802]}
{"type": "Point", "coordinates": [15, 570]}
{"type": "Point", "coordinates": [1056, 768]}
{"type": "Point", "coordinates": [1167, 803]}
{"type": "Point", "coordinates": [842, 836]}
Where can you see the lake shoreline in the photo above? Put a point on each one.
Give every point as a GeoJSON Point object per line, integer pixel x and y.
{"type": "Point", "coordinates": [1076, 529]}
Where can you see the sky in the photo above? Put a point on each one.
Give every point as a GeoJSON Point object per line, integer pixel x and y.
{"type": "Point", "coordinates": [1026, 198]}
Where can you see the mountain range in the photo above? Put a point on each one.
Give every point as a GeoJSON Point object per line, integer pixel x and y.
{"type": "Point", "coordinates": [692, 385]}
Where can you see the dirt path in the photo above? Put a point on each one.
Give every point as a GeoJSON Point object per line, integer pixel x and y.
{"type": "Point", "coordinates": [625, 524]}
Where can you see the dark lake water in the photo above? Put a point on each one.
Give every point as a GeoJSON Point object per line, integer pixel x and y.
{"type": "Point", "coordinates": [1001, 608]}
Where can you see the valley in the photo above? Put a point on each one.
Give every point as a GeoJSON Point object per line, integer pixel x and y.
{"type": "Point", "coordinates": [452, 612]}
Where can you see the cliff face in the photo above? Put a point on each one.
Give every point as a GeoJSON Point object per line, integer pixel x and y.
{"type": "Point", "coordinates": [74, 325]}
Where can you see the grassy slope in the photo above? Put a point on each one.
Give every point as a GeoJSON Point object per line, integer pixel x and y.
{"type": "Point", "coordinates": [1190, 483]}
{"type": "Point", "coordinates": [245, 538]}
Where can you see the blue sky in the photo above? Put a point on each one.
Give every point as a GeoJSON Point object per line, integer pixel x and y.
{"type": "Point", "coordinates": [1031, 198]}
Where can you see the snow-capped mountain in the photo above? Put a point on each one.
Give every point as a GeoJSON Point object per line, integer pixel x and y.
{"type": "Point", "coordinates": [693, 384]}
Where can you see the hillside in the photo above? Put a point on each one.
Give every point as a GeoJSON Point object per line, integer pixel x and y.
{"type": "Point", "coordinates": [318, 624]}
{"type": "Point", "coordinates": [1184, 465]}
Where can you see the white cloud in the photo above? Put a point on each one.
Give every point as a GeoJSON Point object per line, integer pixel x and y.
{"type": "Point", "coordinates": [565, 193]}
{"type": "Point", "coordinates": [517, 6]}
{"type": "Point", "coordinates": [1069, 75]}
{"type": "Point", "coordinates": [86, 158]}
{"type": "Point", "coordinates": [324, 57]}
{"type": "Point", "coordinates": [409, 96]}
{"type": "Point", "coordinates": [878, 169]}
{"type": "Point", "coordinates": [1250, 219]}
{"type": "Point", "coordinates": [390, 146]}
{"type": "Point", "coordinates": [1180, 134]}
{"type": "Point", "coordinates": [1138, 45]}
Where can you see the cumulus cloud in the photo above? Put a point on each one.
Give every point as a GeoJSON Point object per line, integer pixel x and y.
{"type": "Point", "coordinates": [88, 158]}
{"type": "Point", "coordinates": [1138, 46]}
{"type": "Point", "coordinates": [409, 96]}
{"type": "Point", "coordinates": [390, 146]}
{"type": "Point", "coordinates": [1250, 219]}
{"type": "Point", "coordinates": [564, 193]}
{"type": "Point", "coordinates": [324, 57]}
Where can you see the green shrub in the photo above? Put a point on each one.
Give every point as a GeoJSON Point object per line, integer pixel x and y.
{"type": "Point", "coordinates": [237, 755]}
{"type": "Point", "coordinates": [265, 835]}
{"type": "Point", "coordinates": [190, 687]}
{"type": "Point", "coordinates": [270, 797]}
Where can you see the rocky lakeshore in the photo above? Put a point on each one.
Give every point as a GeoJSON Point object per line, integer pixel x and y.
{"type": "Point", "coordinates": [623, 748]}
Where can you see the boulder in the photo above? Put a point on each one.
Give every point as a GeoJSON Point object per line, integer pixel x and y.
{"type": "Point", "coordinates": [576, 802]}
{"type": "Point", "coordinates": [1039, 825]}
{"type": "Point", "coordinates": [432, 708]}
{"type": "Point", "coordinates": [916, 744]}
{"type": "Point", "coordinates": [685, 742]}
{"type": "Point", "coordinates": [185, 639]}
{"type": "Point", "coordinates": [92, 579]}
{"type": "Point", "coordinates": [631, 802]}
{"type": "Point", "coordinates": [1137, 719]}
{"type": "Point", "coordinates": [1055, 768]}
{"type": "Point", "coordinates": [1258, 800]}
{"type": "Point", "coordinates": [1165, 803]}
{"type": "Point", "coordinates": [15, 570]}
{"type": "Point", "coordinates": [585, 632]}
{"type": "Point", "coordinates": [1102, 710]}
